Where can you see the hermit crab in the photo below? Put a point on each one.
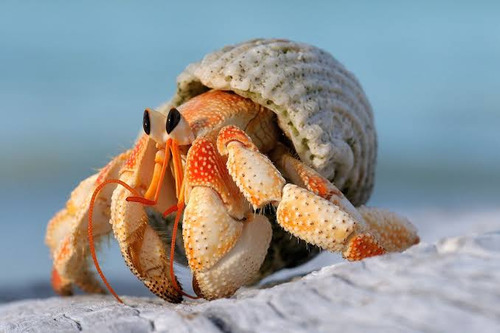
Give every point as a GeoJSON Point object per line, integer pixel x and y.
{"type": "Point", "coordinates": [264, 156]}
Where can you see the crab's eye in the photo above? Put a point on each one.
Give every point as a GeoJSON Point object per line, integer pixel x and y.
{"type": "Point", "coordinates": [173, 118]}
{"type": "Point", "coordinates": [146, 122]}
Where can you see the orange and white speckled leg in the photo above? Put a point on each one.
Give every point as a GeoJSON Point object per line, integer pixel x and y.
{"type": "Point", "coordinates": [304, 176]}
{"type": "Point", "coordinates": [322, 216]}
{"type": "Point", "coordinates": [318, 213]}
{"type": "Point", "coordinates": [225, 243]}
{"type": "Point", "coordinates": [141, 247]}
{"type": "Point", "coordinates": [66, 232]}
{"type": "Point", "coordinates": [256, 176]}
{"type": "Point", "coordinates": [315, 219]}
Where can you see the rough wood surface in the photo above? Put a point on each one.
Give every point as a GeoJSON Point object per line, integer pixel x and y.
{"type": "Point", "coordinates": [453, 285]}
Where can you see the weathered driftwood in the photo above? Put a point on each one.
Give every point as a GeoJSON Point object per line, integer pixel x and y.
{"type": "Point", "coordinates": [450, 286]}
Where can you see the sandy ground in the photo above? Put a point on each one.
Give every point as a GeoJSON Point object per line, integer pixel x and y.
{"type": "Point", "coordinates": [433, 225]}
{"type": "Point", "coordinates": [451, 285]}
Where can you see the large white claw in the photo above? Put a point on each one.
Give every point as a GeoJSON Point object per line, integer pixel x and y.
{"type": "Point", "coordinates": [240, 265]}
{"type": "Point", "coordinates": [209, 232]}
{"type": "Point", "coordinates": [225, 246]}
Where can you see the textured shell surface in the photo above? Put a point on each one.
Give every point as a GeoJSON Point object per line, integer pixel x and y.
{"type": "Point", "coordinates": [320, 105]}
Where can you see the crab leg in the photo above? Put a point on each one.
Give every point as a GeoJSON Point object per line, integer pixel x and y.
{"type": "Point", "coordinates": [66, 231]}
{"type": "Point", "coordinates": [140, 245]}
{"type": "Point", "coordinates": [318, 213]}
{"type": "Point", "coordinates": [253, 172]}
{"type": "Point", "coordinates": [320, 222]}
{"type": "Point", "coordinates": [225, 242]}
{"type": "Point", "coordinates": [376, 231]}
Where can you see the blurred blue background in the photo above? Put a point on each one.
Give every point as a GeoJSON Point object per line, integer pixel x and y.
{"type": "Point", "coordinates": [75, 78]}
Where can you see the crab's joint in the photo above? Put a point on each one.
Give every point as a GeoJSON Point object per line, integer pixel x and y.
{"type": "Point", "coordinates": [233, 134]}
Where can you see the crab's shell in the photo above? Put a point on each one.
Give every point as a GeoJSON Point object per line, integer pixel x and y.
{"type": "Point", "coordinates": [321, 106]}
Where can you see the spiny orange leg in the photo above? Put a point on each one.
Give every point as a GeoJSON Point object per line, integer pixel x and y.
{"type": "Point", "coordinates": [357, 233]}
{"type": "Point", "coordinates": [91, 234]}
{"type": "Point", "coordinates": [317, 213]}
{"type": "Point", "coordinates": [256, 176]}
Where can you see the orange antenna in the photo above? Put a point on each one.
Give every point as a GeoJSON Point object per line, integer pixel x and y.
{"type": "Point", "coordinates": [91, 233]}
{"type": "Point", "coordinates": [179, 173]}
{"type": "Point", "coordinates": [180, 185]}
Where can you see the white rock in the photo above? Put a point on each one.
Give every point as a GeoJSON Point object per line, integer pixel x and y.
{"type": "Point", "coordinates": [450, 286]}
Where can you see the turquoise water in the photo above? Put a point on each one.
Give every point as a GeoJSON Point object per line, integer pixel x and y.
{"type": "Point", "coordinates": [74, 79]}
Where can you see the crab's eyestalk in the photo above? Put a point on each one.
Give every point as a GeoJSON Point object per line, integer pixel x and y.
{"type": "Point", "coordinates": [152, 123]}
{"type": "Point", "coordinates": [178, 128]}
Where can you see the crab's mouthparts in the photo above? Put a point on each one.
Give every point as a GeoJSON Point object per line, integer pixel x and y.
{"type": "Point", "coordinates": [162, 158]}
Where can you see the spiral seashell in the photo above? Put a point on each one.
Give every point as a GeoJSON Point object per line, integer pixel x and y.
{"type": "Point", "coordinates": [320, 105]}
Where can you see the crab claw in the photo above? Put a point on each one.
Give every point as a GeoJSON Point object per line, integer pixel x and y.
{"type": "Point", "coordinates": [141, 247]}
{"type": "Point", "coordinates": [240, 265]}
{"type": "Point", "coordinates": [225, 245]}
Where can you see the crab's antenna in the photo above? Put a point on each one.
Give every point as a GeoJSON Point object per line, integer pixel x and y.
{"type": "Point", "coordinates": [179, 207]}
{"type": "Point", "coordinates": [157, 181]}
{"type": "Point", "coordinates": [91, 233]}
{"type": "Point", "coordinates": [179, 173]}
